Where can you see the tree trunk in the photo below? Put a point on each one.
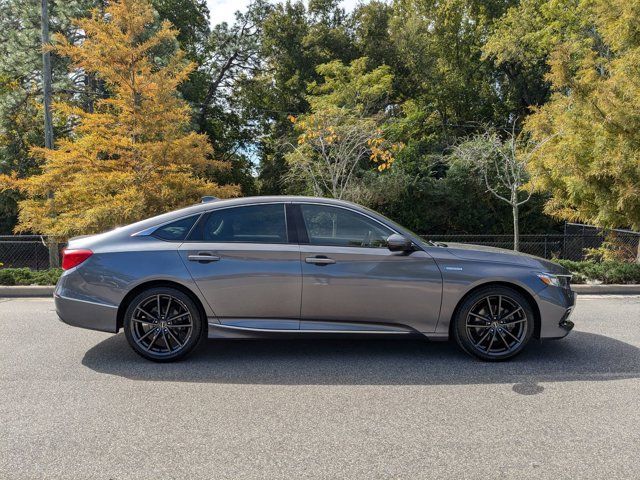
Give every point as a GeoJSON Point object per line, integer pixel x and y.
{"type": "Point", "coordinates": [516, 228]}
{"type": "Point", "coordinates": [54, 254]}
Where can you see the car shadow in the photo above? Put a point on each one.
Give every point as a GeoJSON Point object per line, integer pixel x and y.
{"type": "Point", "coordinates": [581, 356]}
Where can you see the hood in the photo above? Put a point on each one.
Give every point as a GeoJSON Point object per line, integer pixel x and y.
{"type": "Point", "coordinates": [501, 255]}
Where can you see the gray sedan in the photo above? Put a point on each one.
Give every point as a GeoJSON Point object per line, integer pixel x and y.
{"type": "Point", "coordinates": [299, 266]}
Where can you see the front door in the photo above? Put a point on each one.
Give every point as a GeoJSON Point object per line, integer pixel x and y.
{"type": "Point", "coordinates": [241, 260]}
{"type": "Point", "coordinates": [350, 276]}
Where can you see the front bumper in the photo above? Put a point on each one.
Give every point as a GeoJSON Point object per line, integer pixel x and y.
{"type": "Point", "coordinates": [565, 323]}
{"type": "Point", "coordinates": [84, 314]}
{"type": "Point", "coordinates": [556, 306]}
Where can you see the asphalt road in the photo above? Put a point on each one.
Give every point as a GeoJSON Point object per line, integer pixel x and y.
{"type": "Point", "coordinates": [81, 404]}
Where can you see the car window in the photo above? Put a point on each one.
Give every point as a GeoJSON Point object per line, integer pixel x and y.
{"type": "Point", "coordinates": [251, 224]}
{"type": "Point", "coordinates": [335, 226]}
{"type": "Point", "coordinates": [176, 231]}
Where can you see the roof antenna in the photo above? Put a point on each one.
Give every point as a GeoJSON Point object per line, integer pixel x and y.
{"type": "Point", "coordinates": [208, 198]}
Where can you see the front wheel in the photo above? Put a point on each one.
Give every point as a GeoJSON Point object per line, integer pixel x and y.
{"type": "Point", "coordinates": [494, 323]}
{"type": "Point", "coordinates": [163, 324]}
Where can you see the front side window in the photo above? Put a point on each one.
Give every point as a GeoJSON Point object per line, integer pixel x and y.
{"type": "Point", "coordinates": [250, 224]}
{"type": "Point", "coordinates": [176, 231]}
{"type": "Point", "coordinates": [335, 226]}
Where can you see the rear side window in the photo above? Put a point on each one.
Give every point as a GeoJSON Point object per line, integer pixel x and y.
{"type": "Point", "coordinates": [176, 231]}
{"type": "Point", "coordinates": [250, 224]}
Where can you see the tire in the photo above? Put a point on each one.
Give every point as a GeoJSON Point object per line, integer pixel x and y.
{"type": "Point", "coordinates": [494, 323]}
{"type": "Point", "coordinates": [166, 334]}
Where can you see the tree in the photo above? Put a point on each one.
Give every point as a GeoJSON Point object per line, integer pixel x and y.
{"type": "Point", "coordinates": [296, 39]}
{"type": "Point", "coordinates": [522, 40]}
{"type": "Point", "coordinates": [592, 165]}
{"type": "Point", "coordinates": [331, 150]}
{"type": "Point", "coordinates": [372, 33]}
{"type": "Point", "coordinates": [451, 90]}
{"type": "Point", "coordinates": [503, 166]}
{"type": "Point", "coordinates": [131, 157]}
{"type": "Point", "coordinates": [226, 56]}
{"type": "Point", "coordinates": [21, 115]}
{"type": "Point", "coordinates": [191, 19]}
{"type": "Point", "coordinates": [232, 52]}
{"type": "Point", "coordinates": [344, 130]}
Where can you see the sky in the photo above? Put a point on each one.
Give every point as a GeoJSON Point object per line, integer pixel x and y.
{"type": "Point", "coordinates": [223, 10]}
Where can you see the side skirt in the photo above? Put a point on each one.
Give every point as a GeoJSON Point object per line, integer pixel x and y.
{"type": "Point", "coordinates": [315, 329]}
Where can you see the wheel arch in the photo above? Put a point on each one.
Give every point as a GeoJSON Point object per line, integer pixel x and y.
{"type": "Point", "coordinates": [524, 292]}
{"type": "Point", "coordinates": [122, 308]}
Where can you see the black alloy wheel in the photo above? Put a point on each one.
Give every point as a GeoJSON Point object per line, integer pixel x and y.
{"type": "Point", "coordinates": [494, 323]}
{"type": "Point", "coordinates": [163, 324]}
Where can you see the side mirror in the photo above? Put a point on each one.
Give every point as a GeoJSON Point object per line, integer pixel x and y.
{"type": "Point", "coordinates": [397, 243]}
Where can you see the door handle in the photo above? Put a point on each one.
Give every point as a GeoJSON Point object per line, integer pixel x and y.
{"type": "Point", "coordinates": [320, 260]}
{"type": "Point", "coordinates": [203, 258]}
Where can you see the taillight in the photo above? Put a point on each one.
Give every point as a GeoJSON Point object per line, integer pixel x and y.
{"type": "Point", "coordinates": [74, 257]}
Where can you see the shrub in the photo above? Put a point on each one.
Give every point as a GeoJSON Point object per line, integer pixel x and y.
{"type": "Point", "coordinates": [26, 276]}
{"type": "Point", "coordinates": [605, 272]}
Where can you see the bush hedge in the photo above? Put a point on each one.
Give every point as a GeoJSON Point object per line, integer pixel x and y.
{"type": "Point", "coordinates": [605, 272]}
{"type": "Point", "coordinates": [26, 276]}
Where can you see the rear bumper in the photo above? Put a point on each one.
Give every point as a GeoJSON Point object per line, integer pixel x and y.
{"type": "Point", "coordinates": [84, 314]}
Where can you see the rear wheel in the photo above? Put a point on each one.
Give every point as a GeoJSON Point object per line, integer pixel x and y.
{"type": "Point", "coordinates": [163, 324]}
{"type": "Point", "coordinates": [494, 323]}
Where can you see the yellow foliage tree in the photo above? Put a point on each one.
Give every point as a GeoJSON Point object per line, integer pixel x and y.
{"type": "Point", "coordinates": [591, 167]}
{"type": "Point", "coordinates": [133, 156]}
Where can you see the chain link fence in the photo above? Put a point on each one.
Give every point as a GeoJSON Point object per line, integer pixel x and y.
{"type": "Point", "coordinates": [576, 243]}
{"type": "Point", "coordinates": [31, 250]}
{"type": "Point", "coordinates": [562, 246]}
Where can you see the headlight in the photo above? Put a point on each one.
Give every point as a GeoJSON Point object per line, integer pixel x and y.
{"type": "Point", "coordinates": [550, 279]}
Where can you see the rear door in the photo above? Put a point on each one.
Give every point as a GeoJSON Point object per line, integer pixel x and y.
{"type": "Point", "coordinates": [241, 259]}
{"type": "Point", "coordinates": [351, 277]}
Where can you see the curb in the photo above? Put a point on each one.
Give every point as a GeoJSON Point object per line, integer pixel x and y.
{"type": "Point", "coordinates": [25, 291]}
{"type": "Point", "coordinates": [22, 291]}
{"type": "Point", "coordinates": [606, 289]}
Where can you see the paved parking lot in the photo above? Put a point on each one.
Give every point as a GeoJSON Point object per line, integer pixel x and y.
{"type": "Point", "coordinates": [80, 404]}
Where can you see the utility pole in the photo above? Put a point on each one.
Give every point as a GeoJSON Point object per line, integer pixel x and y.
{"type": "Point", "coordinates": [54, 258]}
{"type": "Point", "coordinates": [46, 77]}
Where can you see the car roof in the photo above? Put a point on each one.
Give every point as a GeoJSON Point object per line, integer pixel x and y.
{"type": "Point", "coordinates": [231, 202]}
{"type": "Point", "coordinates": [273, 199]}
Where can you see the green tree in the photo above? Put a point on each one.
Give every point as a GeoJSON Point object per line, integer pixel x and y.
{"type": "Point", "coordinates": [191, 19]}
{"type": "Point", "coordinates": [296, 40]}
{"type": "Point", "coordinates": [451, 89]}
{"type": "Point", "coordinates": [522, 40]}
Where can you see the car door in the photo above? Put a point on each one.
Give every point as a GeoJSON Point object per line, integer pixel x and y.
{"type": "Point", "coordinates": [242, 261]}
{"type": "Point", "coordinates": [350, 278]}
